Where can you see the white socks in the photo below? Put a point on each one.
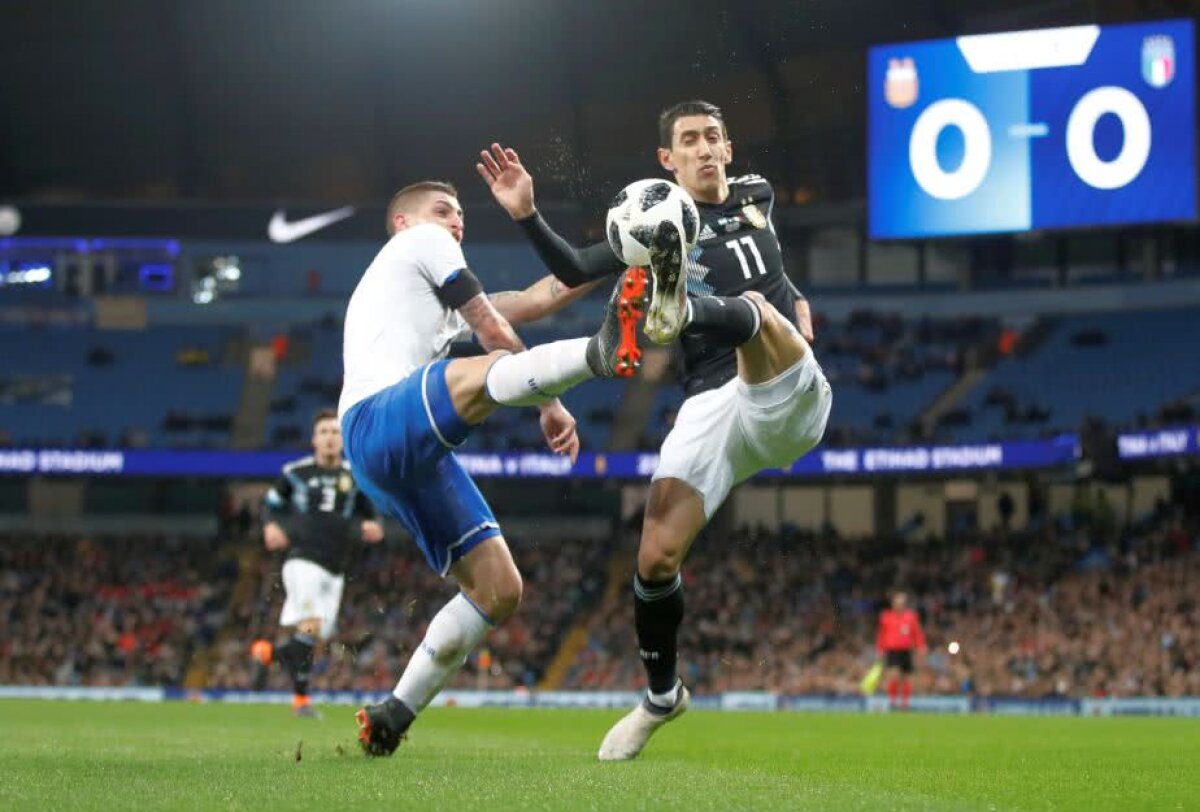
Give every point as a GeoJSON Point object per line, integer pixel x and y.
{"type": "Point", "coordinates": [539, 374]}
{"type": "Point", "coordinates": [452, 634]}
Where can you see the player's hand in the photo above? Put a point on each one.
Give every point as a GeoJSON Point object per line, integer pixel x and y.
{"type": "Point", "coordinates": [273, 536]}
{"type": "Point", "coordinates": [804, 320]}
{"type": "Point", "coordinates": [511, 185]}
{"type": "Point", "coordinates": [372, 532]}
{"type": "Point", "coordinates": [558, 427]}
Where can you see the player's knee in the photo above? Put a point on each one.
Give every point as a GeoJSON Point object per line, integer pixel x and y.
{"type": "Point", "coordinates": [310, 626]}
{"type": "Point", "coordinates": [508, 598]}
{"type": "Point", "coordinates": [659, 557]}
{"type": "Point", "coordinates": [466, 379]}
{"type": "Point", "coordinates": [502, 596]}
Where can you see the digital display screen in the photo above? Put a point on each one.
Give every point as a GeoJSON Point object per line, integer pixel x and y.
{"type": "Point", "coordinates": [1054, 128]}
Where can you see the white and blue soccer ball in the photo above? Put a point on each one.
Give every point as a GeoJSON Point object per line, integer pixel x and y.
{"type": "Point", "coordinates": [639, 208]}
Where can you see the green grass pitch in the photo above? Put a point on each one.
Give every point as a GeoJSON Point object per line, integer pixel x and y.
{"type": "Point", "coordinates": [63, 755]}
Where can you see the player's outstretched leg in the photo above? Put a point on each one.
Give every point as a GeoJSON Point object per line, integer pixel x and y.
{"type": "Point", "coordinates": [775, 347]}
{"type": "Point", "coordinates": [666, 316]}
{"type": "Point", "coordinates": [540, 374]}
{"type": "Point", "coordinates": [613, 351]}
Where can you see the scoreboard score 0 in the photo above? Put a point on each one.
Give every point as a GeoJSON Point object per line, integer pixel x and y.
{"type": "Point", "coordinates": [1055, 128]}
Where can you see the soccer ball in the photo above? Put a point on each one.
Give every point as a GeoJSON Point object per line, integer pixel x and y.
{"type": "Point", "coordinates": [639, 208]}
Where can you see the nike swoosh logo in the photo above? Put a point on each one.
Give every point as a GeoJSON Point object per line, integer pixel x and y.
{"type": "Point", "coordinates": [281, 231]}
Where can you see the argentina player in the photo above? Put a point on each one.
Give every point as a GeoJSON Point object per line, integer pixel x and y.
{"type": "Point", "coordinates": [311, 511]}
{"type": "Point", "coordinates": [756, 397]}
{"type": "Point", "coordinates": [404, 409]}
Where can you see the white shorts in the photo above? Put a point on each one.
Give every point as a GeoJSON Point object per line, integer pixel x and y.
{"type": "Point", "coordinates": [726, 435]}
{"type": "Point", "coordinates": [312, 591]}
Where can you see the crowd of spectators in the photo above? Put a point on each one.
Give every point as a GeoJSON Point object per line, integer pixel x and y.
{"type": "Point", "coordinates": [124, 610]}
{"type": "Point", "coordinates": [1177, 412]}
{"type": "Point", "coordinates": [1079, 606]}
{"type": "Point", "coordinates": [877, 349]}
{"type": "Point", "coordinates": [389, 599]}
{"type": "Point", "coordinates": [1060, 609]}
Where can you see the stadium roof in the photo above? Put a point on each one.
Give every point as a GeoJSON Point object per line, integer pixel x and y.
{"type": "Point", "coordinates": [305, 100]}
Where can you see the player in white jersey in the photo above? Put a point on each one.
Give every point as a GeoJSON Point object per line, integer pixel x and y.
{"type": "Point", "coordinates": [404, 409]}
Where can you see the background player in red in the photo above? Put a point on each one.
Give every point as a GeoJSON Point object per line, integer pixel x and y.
{"type": "Point", "coordinates": [899, 633]}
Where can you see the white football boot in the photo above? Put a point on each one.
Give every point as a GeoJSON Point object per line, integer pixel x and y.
{"type": "Point", "coordinates": [667, 315]}
{"type": "Point", "coordinates": [627, 737]}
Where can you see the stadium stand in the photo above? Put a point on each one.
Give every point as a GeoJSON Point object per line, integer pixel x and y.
{"type": "Point", "coordinates": [1088, 366]}
{"type": "Point", "coordinates": [108, 610]}
{"type": "Point", "coordinates": [1073, 607]}
{"type": "Point", "coordinates": [886, 371]}
{"type": "Point", "coordinates": [390, 596]}
{"type": "Point", "coordinates": [164, 386]}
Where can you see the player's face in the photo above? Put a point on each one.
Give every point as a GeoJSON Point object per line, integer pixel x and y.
{"type": "Point", "coordinates": [899, 601]}
{"type": "Point", "coordinates": [327, 440]}
{"type": "Point", "coordinates": [440, 209]}
{"type": "Point", "coordinates": [698, 156]}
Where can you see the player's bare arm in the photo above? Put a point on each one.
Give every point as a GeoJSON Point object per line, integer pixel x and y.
{"type": "Point", "coordinates": [372, 532]}
{"type": "Point", "coordinates": [491, 328]}
{"type": "Point", "coordinates": [804, 320]}
{"type": "Point", "coordinates": [543, 298]}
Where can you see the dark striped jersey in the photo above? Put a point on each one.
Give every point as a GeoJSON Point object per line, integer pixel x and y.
{"type": "Point", "coordinates": [737, 251]}
{"type": "Point", "coordinates": [321, 510]}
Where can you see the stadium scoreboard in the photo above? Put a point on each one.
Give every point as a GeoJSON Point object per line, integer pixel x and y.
{"type": "Point", "coordinates": [1054, 128]}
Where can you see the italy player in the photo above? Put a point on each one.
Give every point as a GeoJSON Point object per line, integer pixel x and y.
{"type": "Point", "coordinates": [404, 410]}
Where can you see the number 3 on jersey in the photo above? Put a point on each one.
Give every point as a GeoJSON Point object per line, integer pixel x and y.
{"type": "Point", "coordinates": [328, 498]}
{"type": "Point", "coordinates": [748, 241]}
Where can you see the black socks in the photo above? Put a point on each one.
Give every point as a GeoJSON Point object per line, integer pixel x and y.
{"type": "Point", "coordinates": [729, 320]}
{"type": "Point", "coordinates": [297, 657]}
{"type": "Point", "coordinates": [657, 613]}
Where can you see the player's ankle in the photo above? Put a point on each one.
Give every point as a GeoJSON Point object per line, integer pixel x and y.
{"type": "Point", "coordinates": [666, 699]}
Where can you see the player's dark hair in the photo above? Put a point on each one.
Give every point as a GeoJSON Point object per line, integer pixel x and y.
{"type": "Point", "coordinates": [405, 197]}
{"type": "Point", "coordinates": [694, 107]}
{"type": "Point", "coordinates": [324, 414]}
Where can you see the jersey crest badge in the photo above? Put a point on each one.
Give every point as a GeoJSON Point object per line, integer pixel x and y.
{"type": "Point", "coordinates": [754, 215]}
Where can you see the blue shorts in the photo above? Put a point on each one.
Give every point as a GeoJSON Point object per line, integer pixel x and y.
{"type": "Point", "coordinates": [399, 442]}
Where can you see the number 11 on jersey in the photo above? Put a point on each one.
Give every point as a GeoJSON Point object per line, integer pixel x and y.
{"type": "Point", "coordinates": [733, 246]}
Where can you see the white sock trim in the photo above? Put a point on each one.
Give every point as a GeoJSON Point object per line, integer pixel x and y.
{"type": "Point", "coordinates": [756, 311]}
{"type": "Point", "coordinates": [664, 700]}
